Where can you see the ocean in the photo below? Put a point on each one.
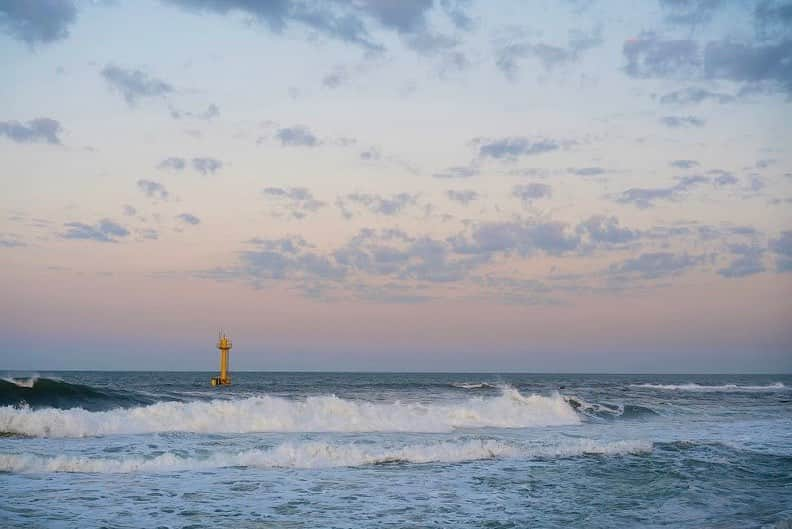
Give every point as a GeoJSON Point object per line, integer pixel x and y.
{"type": "Point", "coordinates": [349, 450]}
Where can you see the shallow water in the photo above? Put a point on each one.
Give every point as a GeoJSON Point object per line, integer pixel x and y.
{"type": "Point", "coordinates": [395, 450]}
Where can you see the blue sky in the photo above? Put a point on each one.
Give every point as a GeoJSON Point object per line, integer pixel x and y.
{"type": "Point", "coordinates": [373, 184]}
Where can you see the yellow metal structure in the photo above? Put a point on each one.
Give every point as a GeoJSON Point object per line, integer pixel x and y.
{"type": "Point", "coordinates": [224, 344]}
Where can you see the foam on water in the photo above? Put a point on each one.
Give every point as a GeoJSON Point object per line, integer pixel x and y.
{"type": "Point", "coordinates": [778, 386]}
{"type": "Point", "coordinates": [320, 455]}
{"type": "Point", "coordinates": [510, 409]}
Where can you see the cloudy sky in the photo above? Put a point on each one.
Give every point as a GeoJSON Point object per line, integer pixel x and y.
{"type": "Point", "coordinates": [397, 184]}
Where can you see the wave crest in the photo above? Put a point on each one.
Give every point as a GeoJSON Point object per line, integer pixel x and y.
{"type": "Point", "coordinates": [725, 388]}
{"type": "Point", "coordinates": [511, 409]}
{"type": "Point", "coordinates": [320, 455]}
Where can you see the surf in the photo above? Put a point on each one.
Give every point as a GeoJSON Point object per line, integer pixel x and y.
{"type": "Point", "coordinates": [266, 413]}
{"type": "Point", "coordinates": [45, 392]}
{"type": "Point", "coordinates": [318, 454]}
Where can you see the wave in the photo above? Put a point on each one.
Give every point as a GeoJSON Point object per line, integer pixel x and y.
{"type": "Point", "coordinates": [608, 411]}
{"type": "Point", "coordinates": [777, 386]}
{"type": "Point", "coordinates": [510, 409]}
{"type": "Point", "coordinates": [320, 455]}
{"type": "Point", "coordinates": [473, 385]}
{"type": "Point", "coordinates": [42, 392]}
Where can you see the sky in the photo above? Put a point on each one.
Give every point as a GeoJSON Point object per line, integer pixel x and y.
{"type": "Point", "coordinates": [441, 185]}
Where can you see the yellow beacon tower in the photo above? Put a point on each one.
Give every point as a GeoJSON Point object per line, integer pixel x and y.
{"type": "Point", "coordinates": [224, 344]}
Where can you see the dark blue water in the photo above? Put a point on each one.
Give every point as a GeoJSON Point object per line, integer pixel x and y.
{"type": "Point", "coordinates": [395, 450]}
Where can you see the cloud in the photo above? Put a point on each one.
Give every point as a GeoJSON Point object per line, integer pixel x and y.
{"type": "Point", "coordinates": [463, 196]}
{"type": "Point", "coordinates": [532, 191]}
{"type": "Point", "coordinates": [606, 230]}
{"type": "Point", "coordinates": [657, 264]}
{"type": "Point", "coordinates": [206, 165]}
{"type": "Point", "coordinates": [299, 199]}
{"type": "Point", "coordinates": [749, 261]}
{"type": "Point", "coordinates": [288, 257]}
{"type": "Point", "coordinates": [153, 189]}
{"type": "Point", "coordinates": [586, 171]}
{"type": "Point", "coordinates": [296, 136]}
{"type": "Point", "coordinates": [722, 178]}
{"type": "Point", "coordinates": [782, 247]}
{"type": "Point", "coordinates": [650, 56]}
{"type": "Point", "coordinates": [514, 147]}
{"type": "Point", "coordinates": [37, 21]}
{"type": "Point", "coordinates": [176, 164]}
{"type": "Point", "coordinates": [521, 237]}
{"type": "Point", "coordinates": [37, 130]}
{"type": "Point", "coordinates": [377, 204]}
{"type": "Point", "coordinates": [685, 164]}
{"type": "Point", "coordinates": [278, 14]}
{"type": "Point", "coordinates": [760, 67]}
{"type": "Point", "coordinates": [103, 231]}
{"type": "Point", "coordinates": [129, 210]}
{"type": "Point", "coordinates": [645, 197]}
{"type": "Point", "coordinates": [774, 19]}
{"type": "Point", "coordinates": [682, 121]}
{"type": "Point", "coordinates": [10, 241]}
{"type": "Point", "coordinates": [694, 96]}
{"type": "Point", "coordinates": [188, 218]}
{"type": "Point", "coordinates": [509, 55]}
{"type": "Point", "coordinates": [690, 12]}
{"type": "Point", "coordinates": [458, 172]}
{"type": "Point", "coordinates": [134, 85]}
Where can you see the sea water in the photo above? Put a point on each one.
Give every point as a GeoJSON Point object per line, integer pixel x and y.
{"type": "Point", "coordinates": [292, 450]}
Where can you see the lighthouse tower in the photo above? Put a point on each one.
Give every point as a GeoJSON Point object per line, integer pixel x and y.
{"type": "Point", "coordinates": [224, 344]}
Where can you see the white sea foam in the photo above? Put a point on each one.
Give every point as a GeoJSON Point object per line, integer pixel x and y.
{"type": "Point", "coordinates": [777, 386]}
{"type": "Point", "coordinates": [319, 455]}
{"type": "Point", "coordinates": [472, 385]}
{"type": "Point", "coordinates": [511, 409]}
{"type": "Point", "coordinates": [23, 382]}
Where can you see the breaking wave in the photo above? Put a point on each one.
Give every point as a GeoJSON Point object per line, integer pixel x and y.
{"type": "Point", "coordinates": [320, 455]}
{"type": "Point", "coordinates": [510, 409]}
{"type": "Point", "coordinates": [42, 392]}
{"type": "Point", "coordinates": [473, 385]}
{"type": "Point", "coordinates": [608, 411]}
{"type": "Point", "coordinates": [726, 388]}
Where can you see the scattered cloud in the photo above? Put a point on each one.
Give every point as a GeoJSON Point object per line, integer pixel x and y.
{"type": "Point", "coordinates": [682, 121]}
{"type": "Point", "coordinates": [35, 22]}
{"type": "Point", "coordinates": [606, 230]}
{"type": "Point", "coordinates": [646, 197]}
{"type": "Point", "coordinates": [134, 85]}
{"type": "Point", "coordinates": [782, 247]}
{"type": "Point", "coordinates": [520, 237]}
{"type": "Point", "coordinates": [463, 196]}
{"type": "Point", "coordinates": [748, 261]}
{"type": "Point", "coordinates": [684, 164]}
{"type": "Point", "coordinates": [300, 201]}
{"type": "Point", "coordinates": [153, 189]}
{"type": "Point", "coordinates": [458, 172]}
{"type": "Point", "coordinates": [530, 192]}
{"type": "Point", "coordinates": [690, 12]}
{"type": "Point", "coordinates": [515, 147]}
{"type": "Point", "coordinates": [377, 204]}
{"type": "Point", "coordinates": [694, 96]}
{"type": "Point", "coordinates": [173, 163]}
{"type": "Point", "coordinates": [297, 136]}
{"type": "Point", "coordinates": [586, 171]}
{"type": "Point", "coordinates": [188, 218]}
{"type": "Point", "coordinates": [206, 165]}
{"type": "Point", "coordinates": [656, 264]}
{"type": "Point", "coordinates": [758, 66]}
{"type": "Point", "coordinates": [509, 55]}
{"type": "Point", "coordinates": [103, 231]}
{"type": "Point", "coordinates": [129, 211]}
{"type": "Point", "coordinates": [39, 130]}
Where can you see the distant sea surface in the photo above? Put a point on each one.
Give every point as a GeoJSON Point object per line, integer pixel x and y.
{"type": "Point", "coordinates": [348, 450]}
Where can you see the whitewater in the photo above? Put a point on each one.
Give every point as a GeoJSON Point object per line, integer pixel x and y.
{"type": "Point", "coordinates": [401, 450]}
